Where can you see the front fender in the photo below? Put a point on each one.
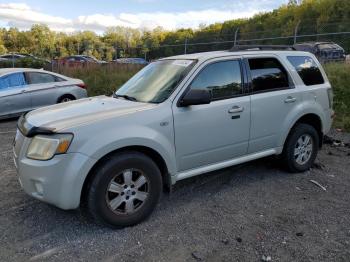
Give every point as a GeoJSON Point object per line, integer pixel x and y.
{"type": "Point", "coordinates": [108, 140]}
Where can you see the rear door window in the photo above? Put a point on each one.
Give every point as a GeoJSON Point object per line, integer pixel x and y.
{"type": "Point", "coordinates": [40, 78]}
{"type": "Point", "coordinates": [267, 74]}
{"type": "Point", "coordinates": [10, 81]}
{"type": "Point", "coordinates": [307, 70]}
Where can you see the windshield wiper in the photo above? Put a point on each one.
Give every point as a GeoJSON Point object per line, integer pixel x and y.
{"type": "Point", "coordinates": [131, 98]}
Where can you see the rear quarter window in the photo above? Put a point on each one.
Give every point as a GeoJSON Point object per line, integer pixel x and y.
{"type": "Point", "coordinates": [307, 69]}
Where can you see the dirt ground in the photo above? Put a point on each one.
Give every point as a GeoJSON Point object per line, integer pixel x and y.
{"type": "Point", "coordinates": [251, 212]}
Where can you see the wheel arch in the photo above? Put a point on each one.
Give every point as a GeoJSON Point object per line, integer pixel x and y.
{"type": "Point", "coordinates": [150, 152]}
{"type": "Point", "coordinates": [65, 95]}
{"type": "Point", "coordinates": [311, 119]}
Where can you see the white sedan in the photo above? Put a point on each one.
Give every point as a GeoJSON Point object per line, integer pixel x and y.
{"type": "Point", "coordinates": [25, 89]}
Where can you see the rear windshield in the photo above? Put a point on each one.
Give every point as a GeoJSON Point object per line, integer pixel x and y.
{"type": "Point", "coordinates": [329, 46]}
{"type": "Point", "coordinates": [307, 70]}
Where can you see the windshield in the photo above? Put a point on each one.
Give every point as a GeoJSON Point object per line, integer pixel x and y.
{"type": "Point", "coordinates": [156, 82]}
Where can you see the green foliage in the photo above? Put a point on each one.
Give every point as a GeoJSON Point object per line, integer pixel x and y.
{"type": "Point", "coordinates": [24, 62]}
{"type": "Point", "coordinates": [315, 16]}
{"type": "Point", "coordinates": [101, 79]}
{"type": "Point", "coordinates": [339, 76]}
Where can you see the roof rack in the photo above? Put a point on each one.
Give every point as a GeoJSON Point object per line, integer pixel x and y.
{"type": "Point", "coordinates": [261, 47]}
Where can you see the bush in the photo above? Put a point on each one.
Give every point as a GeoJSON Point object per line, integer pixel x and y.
{"type": "Point", "coordinates": [339, 76]}
{"type": "Point", "coordinates": [24, 63]}
{"type": "Point", "coordinates": [100, 79]}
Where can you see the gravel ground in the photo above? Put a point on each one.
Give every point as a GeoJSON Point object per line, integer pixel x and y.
{"type": "Point", "coordinates": [249, 212]}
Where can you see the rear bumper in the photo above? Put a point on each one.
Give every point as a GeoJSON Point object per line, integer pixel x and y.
{"type": "Point", "coordinates": [58, 181]}
{"type": "Point", "coordinates": [327, 125]}
{"type": "Point", "coordinates": [79, 93]}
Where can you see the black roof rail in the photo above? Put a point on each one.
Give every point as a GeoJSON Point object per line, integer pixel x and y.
{"type": "Point", "coordinates": [261, 47]}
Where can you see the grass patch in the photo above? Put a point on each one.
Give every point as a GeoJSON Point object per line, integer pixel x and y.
{"type": "Point", "coordinates": [339, 76]}
{"type": "Point", "coordinates": [101, 79]}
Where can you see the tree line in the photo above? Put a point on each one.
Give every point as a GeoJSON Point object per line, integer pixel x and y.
{"type": "Point", "coordinates": [307, 16]}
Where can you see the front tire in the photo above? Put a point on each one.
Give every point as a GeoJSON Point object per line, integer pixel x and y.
{"type": "Point", "coordinates": [301, 147]}
{"type": "Point", "coordinates": [125, 189]}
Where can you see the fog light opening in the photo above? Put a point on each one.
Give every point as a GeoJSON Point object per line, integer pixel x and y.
{"type": "Point", "coordinates": [39, 188]}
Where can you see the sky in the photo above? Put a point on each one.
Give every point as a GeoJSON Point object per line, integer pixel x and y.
{"type": "Point", "coordinates": [94, 15]}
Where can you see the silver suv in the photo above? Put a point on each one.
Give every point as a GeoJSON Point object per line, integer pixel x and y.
{"type": "Point", "coordinates": [178, 117]}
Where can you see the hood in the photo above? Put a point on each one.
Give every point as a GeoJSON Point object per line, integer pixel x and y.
{"type": "Point", "coordinates": [83, 111]}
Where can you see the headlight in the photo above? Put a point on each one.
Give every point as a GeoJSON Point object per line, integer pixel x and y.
{"type": "Point", "coordinates": [45, 147]}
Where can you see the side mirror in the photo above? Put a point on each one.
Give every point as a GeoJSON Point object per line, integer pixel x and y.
{"type": "Point", "coordinates": [196, 97]}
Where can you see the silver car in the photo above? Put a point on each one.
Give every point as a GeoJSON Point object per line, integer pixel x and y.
{"type": "Point", "coordinates": [25, 89]}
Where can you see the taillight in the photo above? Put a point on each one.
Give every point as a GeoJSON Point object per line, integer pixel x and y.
{"type": "Point", "coordinates": [82, 85]}
{"type": "Point", "coordinates": [330, 97]}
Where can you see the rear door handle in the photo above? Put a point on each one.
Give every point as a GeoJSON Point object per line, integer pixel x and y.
{"type": "Point", "coordinates": [236, 109]}
{"type": "Point", "coordinates": [290, 99]}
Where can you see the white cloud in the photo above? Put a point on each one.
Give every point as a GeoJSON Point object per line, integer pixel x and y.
{"type": "Point", "coordinates": [23, 16]}
{"type": "Point", "coordinates": [17, 6]}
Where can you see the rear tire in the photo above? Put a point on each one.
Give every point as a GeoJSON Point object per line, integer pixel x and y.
{"type": "Point", "coordinates": [66, 98]}
{"type": "Point", "coordinates": [301, 147]}
{"type": "Point", "coordinates": [124, 190]}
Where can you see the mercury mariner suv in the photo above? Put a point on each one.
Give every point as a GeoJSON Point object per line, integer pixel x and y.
{"type": "Point", "coordinates": [178, 117]}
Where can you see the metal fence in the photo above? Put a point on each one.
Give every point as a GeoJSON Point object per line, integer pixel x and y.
{"type": "Point", "coordinates": [293, 32]}
{"type": "Point", "coordinates": [337, 32]}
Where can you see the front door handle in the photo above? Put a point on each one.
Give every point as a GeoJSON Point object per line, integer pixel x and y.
{"type": "Point", "coordinates": [290, 99]}
{"type": "Point", "coordinates": [236, 109]}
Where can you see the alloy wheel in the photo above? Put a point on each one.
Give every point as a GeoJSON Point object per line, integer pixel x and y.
{"type": "Point", "coordinates": [303, 149]}
{"type": "Point", "coordinates": [127, 192]}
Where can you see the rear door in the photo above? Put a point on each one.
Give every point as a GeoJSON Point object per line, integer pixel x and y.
{"type": "Point", "coordinates": [43, 88]}
{"type": "Point", "coordinates": [219, 131]}
{"type": "Point", "coordinates": [14, 95]}
{"type": "Point", "coordinates": [273, 97]}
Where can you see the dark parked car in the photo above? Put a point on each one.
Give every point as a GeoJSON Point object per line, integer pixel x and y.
{"type": "Point", "coordinates": [79, 59]}
{"type": "Point", "coordinates": [324, 51]}
{"type": "Point", "coordinates": [22, 60]}
{"type": "Point", "coordinates": [12, 57]}
{"type": "Point", "coordinates": [131, 60]}
{"type": "Point", "coordinates": [29, 56]}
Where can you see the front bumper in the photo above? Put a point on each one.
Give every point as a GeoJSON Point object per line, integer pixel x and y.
{"type": "Point", "coordinates": [58, 181]}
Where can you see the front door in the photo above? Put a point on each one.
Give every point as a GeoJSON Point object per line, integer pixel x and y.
{"type": "Point", "coordinates": [219, 131]}
{"type": "Point", "coordinates": [14, 96]}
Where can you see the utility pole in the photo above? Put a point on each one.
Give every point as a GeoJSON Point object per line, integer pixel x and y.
{"type": "Point", "coordinates": [296, 32]}
{"type": "Point", "coordinates": [236, 36]}
{"type": "Point", "coordinates": [185, 45]}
